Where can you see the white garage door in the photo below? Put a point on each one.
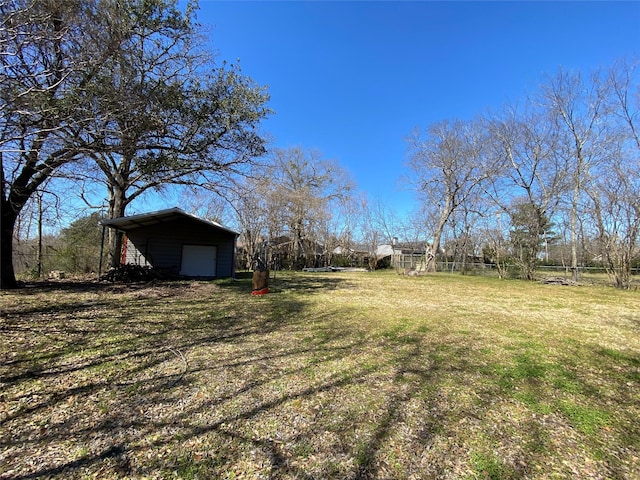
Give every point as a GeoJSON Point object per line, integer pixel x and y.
{"type": "Point", "coordinates": [199, 260]}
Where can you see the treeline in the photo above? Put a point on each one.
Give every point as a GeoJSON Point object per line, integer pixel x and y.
{"type": "Point", "coordinates": [554, 179]}
{"type": "Point", "coordinates": [123, 96]}
{"type": "Point", "coordinates": [561, 168]}
{"type": "Point", "coordinates": [75, 250]}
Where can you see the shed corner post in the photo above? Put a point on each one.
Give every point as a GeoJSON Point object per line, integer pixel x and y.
{"type": "Point", "coordinates": [234, 257]}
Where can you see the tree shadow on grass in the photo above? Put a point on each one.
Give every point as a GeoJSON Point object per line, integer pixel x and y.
{"type": "Point", "coordinates": [289, 281]}
{"type": "Point", "coordinates": [102, 356]}
{"type": "Point", "coordinates": [205, 380]}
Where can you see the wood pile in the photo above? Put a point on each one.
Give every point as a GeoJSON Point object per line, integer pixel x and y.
{"type": "Point", "coordinates": [559, 281]}
{"type": "Point", "coordinates": [135, 273]}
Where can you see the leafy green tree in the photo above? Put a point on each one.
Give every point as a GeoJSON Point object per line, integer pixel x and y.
{"type": "Point", "coordinates": [531, 228]}
{"type": "Point", "coordinates": [79, 245]}
{"type": "Point", "coordinates": [120, 83]}
{"type": "Point", "coordinates": [164, 114]}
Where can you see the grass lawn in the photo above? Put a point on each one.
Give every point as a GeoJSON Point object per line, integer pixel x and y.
{"type": "Point", "coordinates": [332, 375]}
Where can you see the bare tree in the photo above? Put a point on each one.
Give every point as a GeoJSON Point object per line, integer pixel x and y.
{"type": "Point", "coordinates": [33, 225]}
{"type": "Point", "coordinates": [448, 164]}
{"type": "Point", "coordinates": [335, 225]}
{"type": "Point", "coordinates": [496, 246]}
{"type": "Point", "coordinates": [576, 107]}
{"type": "Point", "coordinates": [254, 217]}
{"type": "Point", "coordinates": [206, 204]}
{"type": "Point", "coordinates": [615, 189]}
{"type": "Point", "coordinates": [464, 244]}
{"type": "Point", "coordinates": [530, 177]}
{"type": "Point", "coordinates": [623, 100]}
{"type": "Point", "coordinates": [343, 227]}
{"type": "Point", "coordinates": [374, 226]}
{"type": "Point", "coordinates": [616, 210]}
{"type": "Point", "coordinates": [306, 187]}
{"type": "Point", "coordinates": [370, 232]}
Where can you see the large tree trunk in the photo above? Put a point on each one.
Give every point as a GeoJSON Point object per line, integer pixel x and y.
{"type": "Point", "coordinates": [7, 274]}
{"type": "Point", "coordinates": [11, 204]}
{"type": "Point", "coordinates": [435, 247]}
{"type": "Point", "coordinates": [432, 251]}
{"type": "Point", "coordinates": [117, 204]}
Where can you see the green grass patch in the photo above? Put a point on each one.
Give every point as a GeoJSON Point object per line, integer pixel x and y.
{"type": "Point", "coordinates": [489, 467]}
{"type": "Point", "coordinates": [585, 419]}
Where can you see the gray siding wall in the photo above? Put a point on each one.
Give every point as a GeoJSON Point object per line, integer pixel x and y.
{"type": "Point", "coordinates": [160, 246]}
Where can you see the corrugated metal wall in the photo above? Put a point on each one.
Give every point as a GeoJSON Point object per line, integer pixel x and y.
{"type": "Point", "coordinates": [160, 246]}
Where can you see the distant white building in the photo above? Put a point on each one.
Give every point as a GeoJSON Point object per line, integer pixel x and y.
{"type": "Point", "coordinates": [387, 251]}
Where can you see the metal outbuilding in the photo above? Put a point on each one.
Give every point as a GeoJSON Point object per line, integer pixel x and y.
{"type": "Point", "coordinates": [178, 242]}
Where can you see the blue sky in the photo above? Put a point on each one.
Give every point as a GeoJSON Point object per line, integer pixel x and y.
{"type": "Point", "coordinates": [353, 79]}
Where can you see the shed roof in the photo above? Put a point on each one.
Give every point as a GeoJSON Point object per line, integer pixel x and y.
{"type": "Point", "coordinates": [161, 216]}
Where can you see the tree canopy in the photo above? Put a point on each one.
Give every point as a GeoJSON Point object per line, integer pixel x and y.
{"type": "Point", "coordinates": [120, 92]}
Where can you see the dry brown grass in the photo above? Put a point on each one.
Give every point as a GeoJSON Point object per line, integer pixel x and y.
{"type": "Point", "coordinates": [336, 375]}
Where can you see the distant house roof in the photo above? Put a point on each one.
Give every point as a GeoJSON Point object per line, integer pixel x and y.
{"type": "Point", "coordinates": [386, 250]}
{"type": "Point", "coordinates": [410, 248]}
{"type": "Point", "coordinates": [153, 218]}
